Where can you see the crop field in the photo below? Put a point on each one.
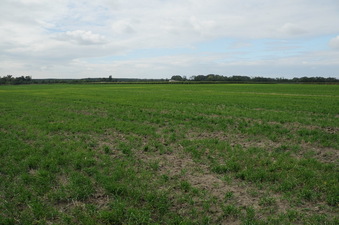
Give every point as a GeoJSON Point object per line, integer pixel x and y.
{"type": "Point", "coordinates": [169, 154]}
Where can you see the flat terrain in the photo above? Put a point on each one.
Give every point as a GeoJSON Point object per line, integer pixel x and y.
{"type": "Point", "coordinates": [169, 154]}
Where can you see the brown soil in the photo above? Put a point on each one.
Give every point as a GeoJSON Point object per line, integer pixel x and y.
{"type": "Point", "coordinates": [323, 154]}
{"type": "Point", "coordinates": [180, 165]}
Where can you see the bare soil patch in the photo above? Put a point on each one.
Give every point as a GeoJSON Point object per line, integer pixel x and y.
{"type": "Point", "coordinates": [180, 165]}
{"type": "Point", "coordinates": [323, 154]}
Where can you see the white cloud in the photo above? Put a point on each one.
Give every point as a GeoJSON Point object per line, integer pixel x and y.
{"type": "Point", "coordinates": [123, 27]}
{"type": "Point", "coordinates": [334, 43]}
{"type": "Point", "coordinates": [292, 29]}
{"type": "Point", "coordinates": [83, 37]}
{"type": "Point", "coordinates": [44, 34]}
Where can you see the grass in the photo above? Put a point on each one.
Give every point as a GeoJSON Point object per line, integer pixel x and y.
{"type": "Point", "coordinates": [169, 154]}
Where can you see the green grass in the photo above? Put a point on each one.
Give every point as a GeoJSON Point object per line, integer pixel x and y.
{"type": "Point", "coordinates": [169, 154]}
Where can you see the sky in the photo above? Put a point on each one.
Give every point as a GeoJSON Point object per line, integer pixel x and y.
{"type": "Point", "coordinates": [162, 38]}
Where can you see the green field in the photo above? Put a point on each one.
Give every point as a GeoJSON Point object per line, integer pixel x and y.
{"type": "Point", "coordinates": [169, 154]}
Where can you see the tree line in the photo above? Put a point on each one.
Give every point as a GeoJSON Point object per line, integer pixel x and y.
{"type": "Point", "coordinates": [247, 79]}
{"type": "Point", "coordinates": [10, 79]}
{"type": "Point", "coordinates": [210, 78]}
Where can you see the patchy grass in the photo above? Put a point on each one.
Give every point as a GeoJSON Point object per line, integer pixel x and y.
{"type": "Point", "coordinates": [169, 154]}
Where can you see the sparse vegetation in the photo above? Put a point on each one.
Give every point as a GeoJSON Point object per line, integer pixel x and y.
{"type": "Point", "coordinates": [169, 154]}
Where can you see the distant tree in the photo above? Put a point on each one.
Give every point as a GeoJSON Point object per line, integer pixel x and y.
{"type": "Point", "coordinates": [200, 78]}
{"type": "Point", "coordinates": [9, 79]}
{"type": "Point", "coordinates": [239, 78]}
{"type": "Point", "coordinates": [262, 79]}
{"type": "Point", "coordinates": [282, 80]}
{"type": "Point", "coordinates": [192, 78]}
{"type": "Point", "coordinates": [177, 78]}
{"type": "Point", "coordinates": [331, 79]}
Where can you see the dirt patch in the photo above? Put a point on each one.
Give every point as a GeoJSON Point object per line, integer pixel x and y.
{"type": "Point", "coordinates": [32, 172]}
{"type": "Point", "coordinates": [92, 112]}
{"type": "Point", "coordinates": [323, 154]}
{"type": "Point", "coordinates": [180, 165]}
{"type": "Point", "coordinates": [99, 198]}
{"type": "Point", "coordinates": [198, 175]}
{"type": "Point", "coordinates": [2, 130]}
{"type": "Point", "coordinates": [331, 130]}
{"type": "Point", "coordinates": [295, 126]}
{"type": "Point", "coordinates": [235, 139]}
{"type": "Point", "coordinates": [84, 112]}
{"type": "Point", "coordinates": [62, 180]}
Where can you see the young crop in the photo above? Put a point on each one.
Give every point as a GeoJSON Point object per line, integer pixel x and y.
{"type": "Point", "coordinates": [169, 154]}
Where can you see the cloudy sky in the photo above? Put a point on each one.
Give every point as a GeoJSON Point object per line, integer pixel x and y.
{"type": "Point", "coordinates": [161, 38]}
